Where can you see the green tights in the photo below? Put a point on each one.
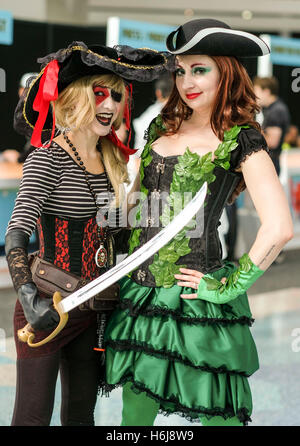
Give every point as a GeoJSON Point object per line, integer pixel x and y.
{"type": "Point", "coordinates": [140, 410]}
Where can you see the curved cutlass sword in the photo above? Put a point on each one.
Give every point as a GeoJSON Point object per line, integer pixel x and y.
{"type": "Point", "coordinates": [120, 270]}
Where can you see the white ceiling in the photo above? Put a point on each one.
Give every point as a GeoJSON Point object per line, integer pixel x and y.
{"type": "Point", "coordinates": [261, 15]}
{"type": "Point", "coordinates": [282, 16]}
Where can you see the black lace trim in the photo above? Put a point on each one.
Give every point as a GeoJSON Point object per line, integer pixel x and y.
{"type": "Point", "coordinates": [252, 150]}
{"type": "Point", "coordinates": [192, 415]}
{"type": "Point", "coordinates": [151, 310]}
{"type": "Point", "coordinates": [121, 345]}
{"type": "Point", "coordinates": [17, 261]}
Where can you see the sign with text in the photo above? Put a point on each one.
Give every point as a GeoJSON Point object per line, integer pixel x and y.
{"type": "Point", "coordinates": [6, 28]}
{"type": "Point", "coordinates": [285, 51]}
{"type": "Point", "coordinates": [137, 34]}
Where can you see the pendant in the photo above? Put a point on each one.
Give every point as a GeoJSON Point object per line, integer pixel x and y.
{"type": "Point", "coordinates": [101, 256]}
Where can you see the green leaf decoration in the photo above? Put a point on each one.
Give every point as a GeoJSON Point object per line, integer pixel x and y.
{"type": "Point", "coordinates": [168, 254]}
{"type": "Point", "coordinates": [182, 247]}
{"type": "Point", "coordinates": [233, 132]}
{"type": "Point", "coordinates": [176, 184]}
{"type": "Point", "coordinates": [180, 235]}
{"type": "Point", "coordinates": [228, 144]}
{"type": "Point", "coordinates": [245, 263]}
{"type": "Point", "coordinates": [180, 170]}
{"type": "Point", "coordinates": [159, 123]}
{"type": "Point", "coordinates": [212, 284]}
{"type": "Point", "coordinates": [152, 132]}
{"type": "Point", "coordinates": [144, 190]}
{"type": "Point", "coordinates": [233, 146]}
{"type": "Point", "coordinates": [226, 165]}
{"type": "Point", "coordinates": [134, 239]}
{"type": "Point", "coordinates": [189, 174]}
{"type": "Point", "coordinates": [164, 271]}
{"type": "Point", "coordinates": [222, 150]}
{"type": "Point", "coordinates": [147, 160]}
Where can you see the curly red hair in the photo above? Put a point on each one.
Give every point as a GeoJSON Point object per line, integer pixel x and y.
{"type": "Point", "coordinates": [235, 102]}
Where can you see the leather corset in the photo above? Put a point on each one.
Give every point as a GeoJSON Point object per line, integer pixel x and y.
{"type": "Point", "coordinates": [206, 250]}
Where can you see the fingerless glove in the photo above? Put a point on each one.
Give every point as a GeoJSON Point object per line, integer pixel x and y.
{"type": "Point", "coordinates": [237, 283]}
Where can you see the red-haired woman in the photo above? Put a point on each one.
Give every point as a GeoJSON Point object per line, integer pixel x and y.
{"type": "Point", "coordinates": [181, 341]}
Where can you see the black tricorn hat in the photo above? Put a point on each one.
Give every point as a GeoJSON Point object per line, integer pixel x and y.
{"type": "Point", "coordinates": [214, 38]}
{"type": "Point", "coordinates": [69, 64]}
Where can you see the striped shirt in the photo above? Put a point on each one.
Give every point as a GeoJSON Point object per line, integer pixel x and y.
{"type": "Point", "coordinates": [53, 183]}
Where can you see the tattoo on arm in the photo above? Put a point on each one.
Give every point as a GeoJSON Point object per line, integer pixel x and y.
{"type": "Point", "coordinates": [265, 258]}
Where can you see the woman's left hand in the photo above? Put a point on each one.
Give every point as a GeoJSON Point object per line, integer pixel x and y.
{"type": "Point", "coordinates": [190, 278]}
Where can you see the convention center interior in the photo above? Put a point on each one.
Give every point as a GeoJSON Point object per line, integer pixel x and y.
{"type": "Point", "coordinates": [41, 35]}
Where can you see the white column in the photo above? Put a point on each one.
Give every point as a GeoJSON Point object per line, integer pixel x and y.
{"type": "Point", "coordinates": [264, 63]}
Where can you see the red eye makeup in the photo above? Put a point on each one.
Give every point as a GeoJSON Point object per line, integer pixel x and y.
{"type": "Point", "coordinates": [101, 93]}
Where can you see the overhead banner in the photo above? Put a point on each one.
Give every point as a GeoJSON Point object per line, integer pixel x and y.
{"type": "Point", "coordinates": [137, 34]}
{"type": "Point", "coordinates": [6, 28]}
{"type": "Point", "coordinates": [285, 51]}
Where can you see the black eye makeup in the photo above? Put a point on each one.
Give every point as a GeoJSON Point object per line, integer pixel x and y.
{"type": "Point", "coordinates": [102, 91]}
{"type": "Point", "coordinates": [117, 97]}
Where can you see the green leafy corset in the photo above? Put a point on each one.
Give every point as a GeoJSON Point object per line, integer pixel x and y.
{"type": "Point", "coordinates": [189, 174]}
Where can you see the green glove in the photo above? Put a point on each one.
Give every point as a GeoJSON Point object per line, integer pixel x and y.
{"type": "Point", "coordinates": [237, 283]}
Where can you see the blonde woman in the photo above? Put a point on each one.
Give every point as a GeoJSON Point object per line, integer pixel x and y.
{"type": "Point", "coordinates": [65, 191]}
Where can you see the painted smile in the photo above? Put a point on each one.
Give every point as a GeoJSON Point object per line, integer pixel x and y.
{"type": "Point", "coordinates": [193, 95]}
{"type": "Point", "coordinates": [104, 118]}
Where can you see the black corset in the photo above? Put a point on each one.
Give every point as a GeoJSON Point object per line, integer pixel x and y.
{"type": "Point", "coordinates": [71, 244]}
{"type": "Point", "coordinates": [206, 250]}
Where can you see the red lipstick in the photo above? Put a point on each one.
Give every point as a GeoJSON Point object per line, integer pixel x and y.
{"type": "Point", "coordinates": [192, 95]}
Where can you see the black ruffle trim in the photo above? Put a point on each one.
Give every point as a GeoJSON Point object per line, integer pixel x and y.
{"type": "Point", "coordinates": [151, 310]}
{"type": "Point", "coordinates": [192, 415]}
{"type": "Point", "coordinates": [121, 345]}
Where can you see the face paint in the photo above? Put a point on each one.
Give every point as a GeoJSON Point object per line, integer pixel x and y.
{"type": "Point", "coordinates": [101, 93]}
{"type": "Point", "coordinates": [107, 112]}
{"type": "Point", "coordinates": [117, 97]}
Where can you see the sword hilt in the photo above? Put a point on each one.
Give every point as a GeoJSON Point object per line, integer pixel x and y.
{"type": "Point", "coordinates": [26, 334]}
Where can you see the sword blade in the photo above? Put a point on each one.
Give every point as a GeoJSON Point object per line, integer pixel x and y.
{"type": "Point", "coordinates": [138, 257]}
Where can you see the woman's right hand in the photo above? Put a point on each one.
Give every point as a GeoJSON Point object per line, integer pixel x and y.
{"type": "Point", "coordinates": [38, 312]}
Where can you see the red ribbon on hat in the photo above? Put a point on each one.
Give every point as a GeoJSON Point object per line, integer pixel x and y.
{"type": "Point", "coordinates": [47, 92]}
{"type": "Point", "coordinates": [125, 149]}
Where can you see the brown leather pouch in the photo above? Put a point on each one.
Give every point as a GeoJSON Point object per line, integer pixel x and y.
{"type": "Point", "coordinates": [50, 278]}
{"type": "Point", "coordinates": [104, 301]}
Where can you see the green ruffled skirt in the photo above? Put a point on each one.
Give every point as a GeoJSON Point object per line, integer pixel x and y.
{"type": "Point", "coordinates": [191, 356]}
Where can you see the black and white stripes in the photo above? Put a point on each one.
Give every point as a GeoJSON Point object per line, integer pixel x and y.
{"type": "Point", "coordinates": [53, 183]}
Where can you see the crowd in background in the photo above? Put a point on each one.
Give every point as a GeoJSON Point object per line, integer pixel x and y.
{"type": "Point", "coordinates": [279, 131]}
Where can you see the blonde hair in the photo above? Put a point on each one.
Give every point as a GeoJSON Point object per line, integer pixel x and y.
{"type": "Point", "coordinates": [75, 108]}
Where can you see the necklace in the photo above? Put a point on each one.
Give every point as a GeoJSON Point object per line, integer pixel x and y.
{"type": "Point", "coordinates": [101, 254]}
